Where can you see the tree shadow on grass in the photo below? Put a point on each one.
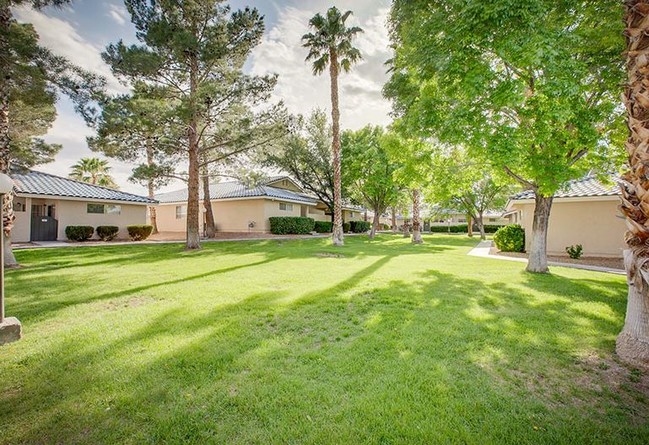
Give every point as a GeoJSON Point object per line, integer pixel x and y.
{"type": "Point", "coordinates": [441, 358]}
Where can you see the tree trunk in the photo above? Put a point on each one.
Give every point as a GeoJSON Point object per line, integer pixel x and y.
{"type": "Point", "coordinates": [375, 223]}
{"type": "Point", "coordinates": [538, 258]}
{"type": "Point", "coordinates": [406, 229]}
{"type": "Point", "coordinates": [394, 220]}
{"type": "Point", "coordinates": [210, 226]}
{"type": "Point", "coordinates": [416, 223]}
{"type": "Point", "coordinates": [150, 187]}
{"type": "Point", "coordinates": [337, 236]}
{"type": "Point", "coordinates": [193, 235]}
{"type": "Point", "coordinates": [633, 342]}
{"type": "Point", "coordinates": [365, 216]}
{"type": "Point", "coordinates": [480, 222]}
{"type": "Point", "coordinates": [469, 226]}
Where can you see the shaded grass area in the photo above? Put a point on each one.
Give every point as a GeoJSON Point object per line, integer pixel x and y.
{"type": "Point", "coordinates": [299, 342]}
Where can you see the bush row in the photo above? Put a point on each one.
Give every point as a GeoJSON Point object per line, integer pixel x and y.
{"type": "Point", "coordinates": [323, 226]}
{"type": "Point", "coordinates": [291, 225]}
{"type": "Point", "coordinates": [359, 226]}
{"type": "Point", "coordinates": [463, 228]}
{"type": "Point", "coordinates": [136, 232]}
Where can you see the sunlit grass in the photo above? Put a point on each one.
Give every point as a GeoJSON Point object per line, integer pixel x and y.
{"type": "Point", "coordinates": [300, 342]}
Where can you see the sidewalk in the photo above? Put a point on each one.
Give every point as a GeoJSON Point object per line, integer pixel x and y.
{"type": "Point", "coordinates": [483, 248]}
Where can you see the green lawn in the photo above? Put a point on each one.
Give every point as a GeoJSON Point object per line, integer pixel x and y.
{"type": "Point", "coordinates": [298, 342]}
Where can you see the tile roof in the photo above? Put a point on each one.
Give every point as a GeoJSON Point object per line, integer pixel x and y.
{"type": "Point", "coordinates": [39, 183]}
{"type": "Point", "coordinates": [234, 189]}
{"type": "Point", "coordinates": [578, 188]}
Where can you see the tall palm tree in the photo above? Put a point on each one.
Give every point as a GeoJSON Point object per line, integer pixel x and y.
{"type": "Point", "coordinates": [93, 171]}
{"type": "Point", "coordinates": [330, 44]}
{"type": "Point", "coordinates": [633, 341]}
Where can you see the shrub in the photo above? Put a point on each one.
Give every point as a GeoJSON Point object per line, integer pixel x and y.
{"type": "Point", "coordinates": [510, 238]}
{"type": "Point", "coordinates": [346, 227]}
{"type": "Point", "coordinates": [323, 226]}
{"type": "Point", "coordinates": [107, 233]}
{"type": "Point", "coordinates": [79, 233]}
{"type": "Point", "coordinates": [139, 232]}
{"type": "Point", "coordinates": [575, 252]}
{"type": "Point", "coordinates": [386, 227]}
{"type": "Point", "coordinates": [291, 225]}
{"type": "Point", "coordinates": [359, 226]}
{"type": "Point", "coordinates": [462, 228]}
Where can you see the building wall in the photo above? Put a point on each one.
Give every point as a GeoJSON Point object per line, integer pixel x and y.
{"type": "Point", "coordinates": [74, 213]}
{"type": "Point", "coordinates": [22, 226]}
{"type": "Point", "coordinates": [592, 223]}
{"type": "Point", "coordinates": [234, 216]}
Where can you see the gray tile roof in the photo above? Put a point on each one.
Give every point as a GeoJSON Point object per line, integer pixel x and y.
{"type": "Point", "coordinates": [45, 184]}
{"type": "Point", "coordinates": [233, 190]}
{"type": "Point", "coordinates": [579, 188]}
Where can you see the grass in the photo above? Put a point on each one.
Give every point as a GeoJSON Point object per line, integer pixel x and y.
{"type": "Point", "coordinates": [298, 342]}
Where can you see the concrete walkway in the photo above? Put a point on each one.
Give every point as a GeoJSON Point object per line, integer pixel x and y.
{"type": "Point", "coordinates": [484, 247]}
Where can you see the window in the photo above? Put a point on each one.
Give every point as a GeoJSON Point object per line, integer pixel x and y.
{"type": "Point", "coordinates": [286, 206]}
{"type": "Point", "coordinates": [181, 212]}
{"type": "Point", "coordinates": [461, 220]}
{"type": "Point", "coordinates": [351, 214]}
{"type": "Point", "coordinates": [492, 219]}
{"type": "Point", "coordinates": [108, 209]}
{"type": "Point", "coordinates": [19, 206]}
{"type": "Point", "coordinates": [95, 208]}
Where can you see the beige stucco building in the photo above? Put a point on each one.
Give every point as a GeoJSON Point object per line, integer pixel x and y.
{"type": "Point", "coordinates": [238, 208]}
{"type": "Point", "coordinates": [584, 212]}
{"type": "Point", "coordinates": [46, 204]}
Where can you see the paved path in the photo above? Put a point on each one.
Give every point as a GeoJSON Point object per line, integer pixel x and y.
{"type": "Point", "coordinates": [484, 247]}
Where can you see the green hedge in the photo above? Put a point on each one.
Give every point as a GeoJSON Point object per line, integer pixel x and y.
{"type": "Point", "coordinates": [139, 232]}
{"type": "Point", "coordinates": [107, 233]}
{"type": "Point", "coordinates": [463, 228]}
{"type": "Point", "coordinates": [359, 226]}
{"type": "Point", "coordinates": [323, 226]}
{"type": "Point", "coordinates": [347, 227]}
{"type": "Point", "coordinates": [510, 238]}
{"type": "Point", "coordinates": [79, 233]}
{"type": "Point", "coordinates": [291, 225]}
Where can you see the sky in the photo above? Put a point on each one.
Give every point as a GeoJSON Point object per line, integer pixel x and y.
{"type": "Point", "coordinates": [83, 29]}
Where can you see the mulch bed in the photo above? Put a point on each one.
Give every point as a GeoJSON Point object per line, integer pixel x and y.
{"type": "Point", "coordinates": [611, 263]}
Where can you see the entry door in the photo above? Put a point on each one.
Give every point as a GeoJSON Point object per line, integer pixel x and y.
{"type": "Point", "coordinates": [303, 210]}
{"type": "Point", "coordinates": [44, 226]}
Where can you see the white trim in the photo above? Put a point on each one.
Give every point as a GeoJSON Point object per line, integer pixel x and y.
{"type": "Point", "coordinates": [245, 198]}
{"type": "Point", "coordinates": [567, 199]}
{"type": "Point", "coordinates": [282, 178]}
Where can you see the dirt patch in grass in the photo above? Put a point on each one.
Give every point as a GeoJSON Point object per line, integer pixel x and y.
{"type": "Point", "coordinates": [130, 303]}
{"type": "Point", "coordinates": [329, 255]}
{"type": "Point", "coordinates": [611, 263]}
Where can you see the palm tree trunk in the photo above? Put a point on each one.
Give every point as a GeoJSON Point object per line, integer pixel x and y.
{"type": "Point", "coordinates": [210, 226]}
{"type": "Point", "coordinates": [633, 342]}
{"type": "Point", "coordinates": [406, 229]}
{"type": "Point", "coordinates": [337, 236]}
{"type": "Point", "coordinates": [538, 258]}
{"type": "Point", "coordinates": [375, 223]}
{"type": "Point", "coordinates": [8, 216]}
{"type": "Point", "coordinates": [193, 240]}
{"type": "Point", "coordinates": [416, 222]}
{"type": "Point", "coordinates": [394, 220]}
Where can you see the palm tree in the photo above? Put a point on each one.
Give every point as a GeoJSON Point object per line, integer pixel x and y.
{"type": "Point", "coordinates": [633, 342]}
{"type": "Point", "coordinates": [93, 171]}
{"type": "Point", "coordinates": [331, 45]}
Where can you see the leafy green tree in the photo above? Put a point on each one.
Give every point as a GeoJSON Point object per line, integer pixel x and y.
{"type": "Point", "coordinates": [633, 342]}
{"type": "Point", "coordinates": [531, 87]}
{"type": "Point", "coordinates": [195, 50]}
{"type": "Point", "coordinates": [368, 170]}
{"type": "Point", "coordinates": [306, 156]}
{"type": "Point", "coordinates": [330, 45]}
{"type": "Point", "coordinates": [464, 185]}
{"type": "Point", "coordinates": [94, 171]}
{"type": "Point", "coordinates": [32, 78]}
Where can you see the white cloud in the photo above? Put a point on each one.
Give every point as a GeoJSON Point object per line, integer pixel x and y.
{"type": "Point", "coordinates": [361, 102]}
{"type": "Point", "coordinates": [118, 13]}
{"type": "Point", "coordinates": [62, 38]}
